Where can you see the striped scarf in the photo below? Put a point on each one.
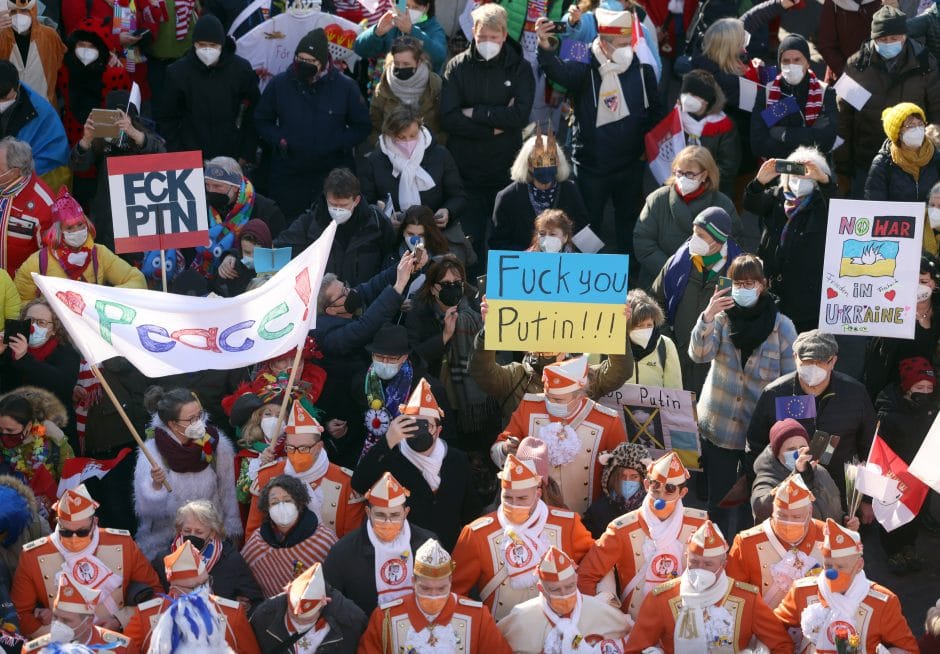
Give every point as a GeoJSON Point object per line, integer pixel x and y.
{"type": "Point", "coordinates": [814, 99]}
{"type": "Point", "coordinates": [184, 13]}
{"type": "Point", "coordinates": [275, 567]}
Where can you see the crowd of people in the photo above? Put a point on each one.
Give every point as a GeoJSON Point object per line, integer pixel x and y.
{"type": "Point", "coordinates": [406, 490]}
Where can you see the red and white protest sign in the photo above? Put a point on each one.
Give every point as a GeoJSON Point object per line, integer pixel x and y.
{"type": "Point", "coordinates": [158, 202]}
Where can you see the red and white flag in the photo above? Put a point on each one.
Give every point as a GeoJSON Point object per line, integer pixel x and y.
{"type": "Point", "coordinates": [924, 466]}
{"type": "Point", "coordinates": [80, 469]}
{"type": "Point", "coordinates": [663, 143]}
{"type": "Point", "coordinates": [902, 505]}
{"type": "Point", "coordinates": [641, 46]}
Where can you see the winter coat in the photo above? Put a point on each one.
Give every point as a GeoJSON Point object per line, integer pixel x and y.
{"type": "Point", "coordinates": [616, 145]}
{"type": "Point", "coordinates": [925, 28]}
{"type": "Point", "coordinates": [660, 367]}
{"type": "Point", "coordinates": [57, 373]}
{"type": "Point", "coordinates": [770, 473]}
{"type": "Point", "coordinates": [156, 507]}
{"type": "Point", "coordinates": [384, 101]}
{"type": "Point", "coordinates": [9, 298]}
{"type": "Point", "coordinates": [361, 249]}
{"type": "Point", "coordinates": [112, 270]}
{"type": "Point", "coordinates": [794, 266]}
{"type": "Point", "coordinates": [426, 329]}
{"type": "Point", "coordinates": [913, 79]}
{"type": "Point", "coordinates": [350, 566]}
{"type": "Point", "coordinates": [370, 45]}
{"type": "Point", "coordinates": [33, 120]}
{"type": "Point", "coordinates": [378, 180]}
{"type": "Point", "coordinates": [725, 148]}
{"type": "Point", "coordinates": [888, 183]}
{"type": "Point", "coordinates": [231, 576]}
{"type": "Point", "coordinates": [500, 92]}
{"type": "Point", "coordinates": [210, 108]}
{"type": "Point", "coordinates": [514, 217]}
{"type": "Point", "coordinates": [841, 33]}
{"type": "Point", "coordinates": [105, 429]}
{"type": "Point", "coordinates": [770, 142]}
{"type": "Point", "coordinates": [902, 424]}
{"type": "Point", "coordinates": [312, 128]}
{"type": "Point", "coordinates": [665, 223]}
{"type": "Point", "coordinates": [882, 354]}
{"type": "Point", "coordinates": [346, 620]}
{"type": "Point", "coordinates": [34, 525]}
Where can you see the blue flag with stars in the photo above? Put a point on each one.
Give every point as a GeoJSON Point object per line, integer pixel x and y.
{"type": "Point", "coordinates": [779, 110]}
{"type": "Point", "coordinates": [572, 50]}
{"type": "Point", "coordinates": [798, 407]}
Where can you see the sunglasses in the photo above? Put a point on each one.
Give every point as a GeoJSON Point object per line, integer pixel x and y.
{"type": "Point", "coordinates": [669, 488]}
{"type": "Point", "coordinates": [72, 533]}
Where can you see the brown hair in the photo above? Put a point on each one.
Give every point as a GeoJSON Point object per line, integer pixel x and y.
{"type": "Point", "coordinates": [436, 272]}
{"type": "Point", "coordinates": [551, 219]}
{"type": "Point", "coordinates": [400, 118]}
{"type": "Point", "coordinates": [434, 240]}
{"type": "Point", "coordinates": [747, 267]}
{"type": "Point", "coordinates": [58, 330]}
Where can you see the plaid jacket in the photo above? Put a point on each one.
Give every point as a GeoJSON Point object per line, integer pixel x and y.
{"type": "Point", "coordinates": [730, 393]}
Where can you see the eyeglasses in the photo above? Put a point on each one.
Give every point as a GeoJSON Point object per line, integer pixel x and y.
{"type": "Point", "coordinates": [341, 298]}
{"type": "Point", "coordinates": [747, 283]}
{"type": "Point", "coordinates": [39, 322]}
{"type": "Point", "coordinates": [669, 488]}
{"type": "Point", "coordinates": [688, 174]}
{"type": "Point", "coordinates": [189, 421]}
{"type": "Point", "coordinates": [303, 449]}
{"type": "Point", "coordinates": [72, 533]}
{"type": "Point", "coordinates": [387, 518]}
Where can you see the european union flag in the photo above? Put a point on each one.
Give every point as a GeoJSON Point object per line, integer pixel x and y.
{"type": "Point", "coordinates": [779, 110]}
{"type": "Point", "coordinates": [572, 50]}
{"type": "Point", "coordinates": [768, 74]}
{"type": "Point", "coordinates": [798, 407]}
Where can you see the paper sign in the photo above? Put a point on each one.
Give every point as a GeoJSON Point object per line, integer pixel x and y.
{"type": "Point", "coordinates": [556, 302]}
{"type": "Point", "coordinates": [852, 92]}
{"type": "Point", "coordinates": [871, 268]}
{"type": "Point", "coordinates": [661, 419]}
{"type": "Point", "coordinates": [747, 94]}
{"type": "Point", "coordinates": [270, 259]}
{"type": "Point", "coordinates": [158, 202]}
{"type": "Point", "coordinates": [870, 481]}
{"type": "Point", "coordinates": [587, 241]}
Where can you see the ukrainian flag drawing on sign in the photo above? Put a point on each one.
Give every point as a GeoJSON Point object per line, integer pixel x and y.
{"type": "Point", "coordinates": [871, 258]}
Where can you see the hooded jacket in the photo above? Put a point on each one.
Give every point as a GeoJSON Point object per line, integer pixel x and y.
{"type": "Point", "coordinates": [33, 525]}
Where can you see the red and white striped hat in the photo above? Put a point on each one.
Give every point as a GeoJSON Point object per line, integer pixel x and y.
{"type": "Point", "coordinates": [302, 421]}
{"type": "Point", "coordinates": [839, 541]}
{"type": "Point", "coordinates": [184, 563]}
{"type": "Point", "coordinates": [306, 592]}
{"type": "Point", "coordinates": [422, 403]}
{"type": "Point", "coordinates": [708, 540]}
{"type": "Point", "coordinates": [793, 494]}
{"type": "Point", "coordinates": [566, 376]}
{"type": "Point", "coordinates": [387, 492]}
{"type": "Point", "coordinates": [668, 469]}
{"type": "Point", "coordinates": [75, 504]}
{"type": "Point", "coordinates": [75, 598]}
{"type": "Point", "coordinates": [519, 475]}
{"type": "Point", "coordinates": [556, 566]}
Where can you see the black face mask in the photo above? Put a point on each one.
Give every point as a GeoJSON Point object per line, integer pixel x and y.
{"type": "Point", "coordinates": [421, 440]}
{"type": "Point", "coordinates": [197, 542]}
{"type": "Point", "coordinates": [353, 301]}
{"type": "Point", "coordinates": [307, 70]}
{"type": "Point", "coordinates": [218, 201]}
{"type": "Point", "coordinates": [450, 293]}
{"type": "Point", "coordinates": [921, 401]}
{"type": "Point", "coordinates": [403, 73]}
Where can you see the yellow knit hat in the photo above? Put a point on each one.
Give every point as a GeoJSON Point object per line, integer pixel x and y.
{"type": "Point", "coordinates": [893, 117]}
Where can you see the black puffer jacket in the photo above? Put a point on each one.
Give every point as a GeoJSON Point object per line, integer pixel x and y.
{"type": "Point", "coordinates": [887, 182]}
{"type": "Point", "coordinates": [346, 620]}
{"type": "Point", "coordinates": [514, 217]}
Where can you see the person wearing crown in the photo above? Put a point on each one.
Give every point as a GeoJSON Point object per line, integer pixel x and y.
{"type": "Point", "coordinates": [186, 574]}
{"type": "Point", "coordinates": [499, 553]}
{"type": "Point", "coordinates": [332, 499]}
{"type": "Point", "coordinates": [105, 559]}
{"type": "Point", "coordinates": [432, 619]}
{"type": "Point", "coordinates": [785, 547]}
{"type": "Point", "coordinates": [443, 497]}
{"type": "Point", "coordinates": [309, 616]}
{"type": "Point", "coordinates": [704, 610]}
{"type": "Point", "coordinates": [843, 605]}
{"type": "Point", "coordinates": [645, 545]}
{"type": "Point", "coordinates": [560, 617]}
{"type": "Point", "coordinates": [73, 621]}
{"type": "Point", "coordinates": [575, 429]}
{"type": "Point", "coordinates": [375, 563]}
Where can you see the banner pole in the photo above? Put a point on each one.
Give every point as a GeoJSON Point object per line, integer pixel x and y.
{"type": "Point", "coordinates": [163, 271]}
{"type": "Point", "coordinates": [127, 421]}
{"type": "Point", "coordinates": [290, 385]}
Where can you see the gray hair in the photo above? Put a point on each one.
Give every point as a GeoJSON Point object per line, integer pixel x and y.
{"type": "Point", "coordinates": [18, 153]}
{"type": "Point", "coordinates": [227, 164]}
{"type": "Point", "coordinates": [935, 189]}
{"type": "Point", "coordinates": [204, 512]}
{"type": "Point", "coordinates": [322, 300]}
{"type": "Point", "coordinates": [805, 153]}
{"type": "Point", "coordinates": [520, 167]}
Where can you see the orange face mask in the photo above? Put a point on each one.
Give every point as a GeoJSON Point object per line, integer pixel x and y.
{"type": "Point", "coordinates": [516, 514]}
{"type": "Point", "coordinates": [788, 531]}
{"type": "Point", "coordinates": [76, 543]}
{"type": "Point", "coordinates": [387, 531]}
{"type": "Point", "coordinates": [432, 605]}
{"type": "Point", "coordinates": [664, 512]}
{"type": "Point", "coordinates": [301, 461]}
{"type": "Point", "coordinates": [565, 604]}
{"type": "Point", "coordinates": [840, 584]}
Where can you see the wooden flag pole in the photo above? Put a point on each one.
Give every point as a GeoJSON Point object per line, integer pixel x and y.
{"type": "Point", "coordinates": [127, 421]}
{"type": "Point", "coordinates": [290, 385]}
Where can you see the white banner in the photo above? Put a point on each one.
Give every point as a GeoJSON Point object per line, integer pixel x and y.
{"type": "Point", "coordinates": [924, 466]}
{"type": "Point", "coordinates": [163, 334]}
{"type": "Point", "coordinates": [871, 268]}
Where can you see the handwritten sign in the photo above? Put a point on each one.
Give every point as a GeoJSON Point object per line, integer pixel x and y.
{"type": "Point", "coordinates": [871, 268]}
{"type": "Point", "coordinates": [660, 419]}
{"type": "Point", "coordinates": [158, 202]}
{"type": "Point", "coordinates": [565, 302]}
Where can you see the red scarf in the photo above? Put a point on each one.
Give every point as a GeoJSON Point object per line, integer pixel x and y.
{"type": "Point", "coordinates": [72, 271]}
{"type": "Point", "coordinates": [814, 99]}
{"type": "Point", "coordinates": [42, 352]}
{"type": "Point", "coordinates": [694, 194]}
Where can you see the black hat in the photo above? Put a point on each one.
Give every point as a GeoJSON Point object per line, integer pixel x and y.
{"type": "Point", "coordinates": [242, 409]}
{"type": "Point", "coordinates": [209, 28]}
{"type": "Point", "coordinates": [697, 83]}
{"type": "Point", "coordinates": [888, 21]}
{"type": "Point", "coordinates": [793, 42]}
{"type": "Point", "coordinates": [314, 43]}
{"type": "Point", "coordinates": [190, 282]}
{"type": "Point", "coordinates": [9, 78]}
{"type": "Point", "coordinates": [390, 340]}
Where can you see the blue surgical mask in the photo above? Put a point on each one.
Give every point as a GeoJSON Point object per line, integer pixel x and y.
{"type": "Point", "coordinates": [385, 371]}
{"type": "Point", "coordinates": [744, 297]}
{"type": "Point", "coordinates": [889, 50]}
{"type": "Point", "coordinates": [629, 488]}
{"type": "Point", "coordinates": [789, 460]}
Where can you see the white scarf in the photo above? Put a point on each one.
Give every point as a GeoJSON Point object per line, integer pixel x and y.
{"type": "Point", "coordinates": [312, 479]}
{"type": "Point", "coordinates": [412, 178]}
{"type": "Point", "coordinates": [428, 464]}
{"type": "Point", "coordinates": [695, 127]}
{"type": "Point", "coordinates": [701, 622]}
{"type": "Point", "coordinates": [312, 637]}
{"type": "Point", "coordinates": [841, 607]}
{"type": "Point", "coordinates": [562, 441]}
{"type": "Point", "coordinates": [86, 569]}
{"type": "Point", "coordinates": [611, 103]}
{"type": "Point", "coordinates": [433, 639]}
{"type": "Point", "coordinates": [850, 5]}
{"type": "Point", "coordinates": [663, 542]}
{"type": "Point", "coordinates": [793, 565]}
{"type": "Point", "coordinates": [393, 563]}
{"type": "Point", "coordinates": [565, 636]}
{"type": "Point", "coordinates": [409, 91]}
{"type": "Point", "coordinates": [525, 546]}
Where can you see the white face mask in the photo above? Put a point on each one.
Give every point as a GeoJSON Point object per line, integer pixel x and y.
{"type": "Point", "coordinates": [913, 137]}
{"type": "Point", "coordinates": [416, 15]}
{"type": "Point", "coordinates": [38, 336]}
{"type": "Point", "coordinates": [385, 370]}
{"type": "Point", "coordinates": [6, 104]}
{"type": "Point", "coordinates": [75, 239]}
{"type": "Point", "coordinates": [284, 514]}
{"type": "Point", "coordinates": [557, 409]}
{"type": "Point", "coordinates": [686, 185]}
{"type": "Point", "coordinates": [623, 56]}
{"type": "Point", "coordinates": [933, 213]}
{"type": "Point", "coordinates": [340, 214]}
{"type": "Point", "coordinates": [488, 49]}
{"type": "Point", "coordinates": [248, 262]}
{"type": "Point", "coordinates": [196, 430]}
{"type": "Point", "coordinates": [550, 244]}
{"type": "Point", "coordinates": [268, 425]}
{"type": "Point", "coordinates": [698, 246]}
{"type": "Point", "coordinates": [22, 23]}
{"type": "Point", "coordinates": [691, 104]}
{"type": "Point", "coordinates": [641, 336]}
{"type": "Point", "coordinates": [86, 55]}
{"type": "Point", "coordinates": [811, 375]}
{"type": "Point", "coordinates": [800, 187]}
{"type": "Point", "coordinates": [208, 56]}
{"type": "Point", "coordinates": [923, 292]}
{"type": "Point", "coordinates": [792, 73]}
{"type": "Point", "coordinates": [60, 632]}
{"type": "Point", "coordinates": [700, 579]}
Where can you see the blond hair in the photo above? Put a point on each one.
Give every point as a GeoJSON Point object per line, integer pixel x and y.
{"type": "Point", "coordinates": [722, 44]}
{"type": "Point", "coordinates": [700, 156]}
{"type": "Point", "coordinates": [491, 16]}
{"type": "Point", "coordinates": [203, 512]}
{"type": "Point", "coordinates": [520, 167]}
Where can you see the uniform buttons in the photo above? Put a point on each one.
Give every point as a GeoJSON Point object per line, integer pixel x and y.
{"type": "Point", "coordinates": [46, 577]}
{"type": "Point", "coordinates": [333, 505]}
{"type": "Point", "coordinates": [739, 399]}
{"type": "Point", "coordinates": [586, 468]}
{"type": "Point", "coordinates": [585, 483]}
{"type": "Point", "coordinates": [593, 432]}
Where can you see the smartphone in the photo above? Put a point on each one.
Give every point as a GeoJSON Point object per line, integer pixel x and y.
{"type": "Point", "coordinates": [481, 283]}
{"type": "Point", "coordinates": [402, 6]}
{"type": "Point", "coordinates": [723, 283]}
{"type": "Point", "coordinates": [424, 428]}
{"type": "Point", "coordinates": [784, 167]}
{"type": "Point", "coordinates": [560, 26]}
{"type": "Point", "coordinates": [140, 31]}
{"type": "Point", "coordinates": [105, 121]}
{"type": "Point", "coordinates": [818, 445]}
{"type": "Point", "coordinates": [831, 446]}
{"type": "Point", "coordinates": [13, 327]}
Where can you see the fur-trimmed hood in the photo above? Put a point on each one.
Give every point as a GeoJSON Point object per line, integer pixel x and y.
{"type": "Point", "coordinates": [22, 489]}
{"type": "Point", "coordinates": [46, 405]}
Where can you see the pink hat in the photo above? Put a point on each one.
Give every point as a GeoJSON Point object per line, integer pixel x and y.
{"type": "Point", "coordinates": [535, 450]}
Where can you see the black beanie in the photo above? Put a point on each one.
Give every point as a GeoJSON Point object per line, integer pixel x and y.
{"type": "Point", "coordinates": [209, 28]}
{"type": "Point", "coordinates": [696, 83]}
{"type": "Point", "coordinates": [888, 21]}
{"type": "Point", "coordinates": [9, 78]}
{"type": "Point", "coordinates": [793, 42]}
{"type": "Point", "coordinates": [314, 43]}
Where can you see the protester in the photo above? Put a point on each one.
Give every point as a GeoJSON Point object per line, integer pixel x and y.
{"type": "Point", "coordinates": [552, 229]}
{"type": "Point", "coordinates": [622, 480]}
{"type": "Point", "coordinates": [417, 22]}
{"type": "Point", "coordinates": [29, 198]}
{"type": "Point", "coordinates": [33, 48]}
{"type": "Point", "coordinates": [407, 80]}
{"type": "Point", "coordinates": [843, 28]}
{"type": "Point", "coordinates": [655, 359]}
{"type": "Point", "coordinates": [290, 539]}
{"type": "Point", "coordinates": [28, 117]}
{"type": "Point", "coordinates": [235, 272]}
{"type": "Point", "coordinates": [908, 165]}
{"type": "Point", "coordinates": [421, 222]}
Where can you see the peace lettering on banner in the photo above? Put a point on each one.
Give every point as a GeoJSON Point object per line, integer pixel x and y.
{"type": "Point", "coordinates": [556, 302]}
